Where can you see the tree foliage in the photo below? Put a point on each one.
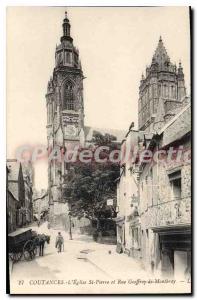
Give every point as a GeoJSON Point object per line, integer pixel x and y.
{"type": "Point", "coordinates": [89, 185]}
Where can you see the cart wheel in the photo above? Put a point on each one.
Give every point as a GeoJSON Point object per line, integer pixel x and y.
{"type": "Point", "coordinates": [15, 256]}
{"type": "Point", "coordinates": [29, 250]}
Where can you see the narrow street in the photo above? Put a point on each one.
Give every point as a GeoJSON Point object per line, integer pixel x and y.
{"type": "Point", "coordinates": [83, 267]}
{"type": "Point", "coordinates": [82, 260]}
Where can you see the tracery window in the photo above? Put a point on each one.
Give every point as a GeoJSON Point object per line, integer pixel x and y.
{"type": "Point", "coordinates": [68, 60]}
{"type": "Point", "coordinates": [173, 92]}
{"type": "Point", "coordinates": [165, 90]}
{"type": "Point", "coordinates": [68, 96]}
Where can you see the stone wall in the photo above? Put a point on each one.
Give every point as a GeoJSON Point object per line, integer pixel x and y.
{"type": "Point", "coordinates": [158, 205]}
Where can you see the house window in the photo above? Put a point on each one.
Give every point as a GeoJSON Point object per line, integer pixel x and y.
{"type": "Point", "coordinates": [68, 97]}
{"type": "Point", "coordinates": [135, 238]}
{"type": "Point", "coordinates": [147, 233]}
{"type": "Point", "coordinates": [175, 182]}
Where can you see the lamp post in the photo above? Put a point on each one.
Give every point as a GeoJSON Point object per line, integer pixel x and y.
{"type": "Point", "coordinates": [70, 226]}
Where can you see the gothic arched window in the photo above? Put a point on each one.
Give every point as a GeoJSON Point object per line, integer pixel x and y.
{"type": "Point", "coordinates": [173, 92]}
{"type": "Point", "coordinates": [68, 96]}
{"type": "Point", "coordinates": [68, 60]}
{"type": "Point", "coordinates": [165, 90]}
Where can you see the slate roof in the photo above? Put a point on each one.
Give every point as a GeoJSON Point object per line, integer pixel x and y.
{"type": "Point", "coordinates": [178, 127]}
{"type": "Point", "coordinates": [185, 113]}
{"type": "Point", "coordinates": [13, 189]}
{"type": "Point", "coordinates": [13, 167]}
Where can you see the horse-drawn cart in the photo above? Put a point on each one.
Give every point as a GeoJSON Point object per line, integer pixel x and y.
{"type": "Point", "coordinates": [22, 242]}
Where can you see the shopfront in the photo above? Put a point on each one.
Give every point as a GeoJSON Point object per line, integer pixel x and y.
{"type": "Point", "coordinates": [175, 251]}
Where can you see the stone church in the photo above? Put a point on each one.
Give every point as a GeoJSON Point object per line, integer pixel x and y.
{"type": "Point", "coordinates": [65, 119]}
{"type": "Point", "coordinates": [162, 91]}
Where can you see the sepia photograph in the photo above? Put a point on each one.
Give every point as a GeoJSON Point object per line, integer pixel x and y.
{"type": "Point", "coordinates": [98, 154]}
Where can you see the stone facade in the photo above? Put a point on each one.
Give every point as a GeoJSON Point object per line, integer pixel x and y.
{"type": "Point", "coordinates": [65, 115]}
{"type": "Point", "coordinates": [160, 230]}
{"type": "Point", "coordinates": [128, 225]}
{"type": "Point", "coordinates": [11, 212]}
{"type": "Point", "coordinates": [165, 201]}
{"type": "Point", "coordinates": [65, 121]}
{"type": "Point", "coordinates": [161, 90]}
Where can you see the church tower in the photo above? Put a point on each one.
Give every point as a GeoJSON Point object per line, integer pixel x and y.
{"type": "Point", "coordinates": [65, 113]}
{"type": "Point", "coordinates": [162, 91]}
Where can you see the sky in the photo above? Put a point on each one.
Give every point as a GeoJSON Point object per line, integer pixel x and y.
{"type": "Point", "coordinates": [115, 45]}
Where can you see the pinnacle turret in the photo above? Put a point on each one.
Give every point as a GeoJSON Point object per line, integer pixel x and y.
{"type": "Point", "coordinates": [66, 29]}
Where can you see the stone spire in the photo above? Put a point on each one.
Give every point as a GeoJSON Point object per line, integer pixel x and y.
{"type": "Point", "coordinates": [162, 91]}
{"type": "Point", "coordinates": [160, 56]}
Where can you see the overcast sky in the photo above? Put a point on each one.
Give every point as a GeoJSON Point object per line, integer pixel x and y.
{"type": "Point", "coordinates": [115, 45]}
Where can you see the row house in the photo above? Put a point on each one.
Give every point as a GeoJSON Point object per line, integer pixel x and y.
{"type": "Point", "coordinates": [128, 223]}
{"type": "Point", "coordinates": [165, 199]}
{"type": "Point", "coordinates": [154, 197]}
{"type": "Point", "coordinates": [12, 204]}
{"type": "Point", "coordinates": [19, 195]}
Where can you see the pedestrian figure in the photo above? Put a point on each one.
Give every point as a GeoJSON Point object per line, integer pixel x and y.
{"type": "Point", "coordinates": [152, 266]}
{"type": "Point", "coordinates": [41, 244]}
{"type": "Point", "coordinates": [59, 242]}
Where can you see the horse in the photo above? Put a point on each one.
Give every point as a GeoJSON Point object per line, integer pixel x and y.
{"type": "Point", "coordinates": [40, 240]}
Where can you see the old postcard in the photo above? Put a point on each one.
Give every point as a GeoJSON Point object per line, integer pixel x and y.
{"type": "Point", "coordinates": [98, 150]}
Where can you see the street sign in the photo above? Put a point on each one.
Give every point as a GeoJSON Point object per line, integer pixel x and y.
{"type": "Point", "coordinates": [110, 201]}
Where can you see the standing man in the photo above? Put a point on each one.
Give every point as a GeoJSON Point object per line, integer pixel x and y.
{"type": "Point", "coordinates": [59, 242]}
{"type": "Point", "coordinates": [70, 226]}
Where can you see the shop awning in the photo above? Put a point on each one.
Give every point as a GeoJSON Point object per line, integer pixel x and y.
{"type": "Point", "coordinates": [172, 229]}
